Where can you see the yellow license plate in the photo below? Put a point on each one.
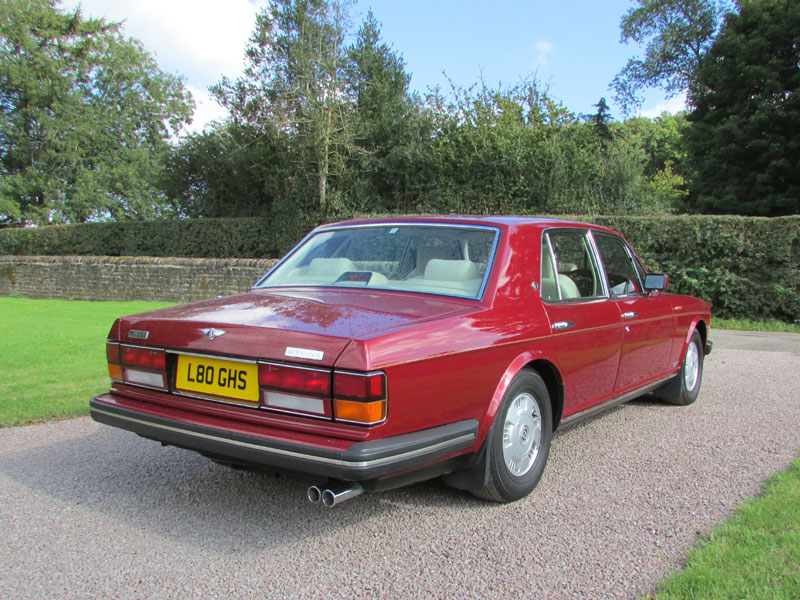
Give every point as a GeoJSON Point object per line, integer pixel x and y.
{"type": "Point", "coordinates": [224, 379]}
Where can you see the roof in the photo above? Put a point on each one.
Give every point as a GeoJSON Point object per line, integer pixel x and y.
{"type": "Point", "coordinates": [488, 220]}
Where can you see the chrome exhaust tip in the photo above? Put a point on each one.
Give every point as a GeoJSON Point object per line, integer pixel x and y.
{"type": "Point", "coordinates": [314, 494]}
{"type": "Point", "coordinates": [338, 494]}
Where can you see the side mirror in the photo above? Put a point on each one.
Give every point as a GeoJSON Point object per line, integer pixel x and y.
{"type": "Point", "coordinates": [655, 281]}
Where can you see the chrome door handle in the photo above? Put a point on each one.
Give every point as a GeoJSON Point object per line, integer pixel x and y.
{"type": "Point", "coordinates": [562, 325]}
{"type": "Point", "coordinates": [630, 315]}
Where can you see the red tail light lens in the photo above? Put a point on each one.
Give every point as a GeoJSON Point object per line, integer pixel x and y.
{"type": "Point", "coordinates": [295, 379]}
{"type": "Point", "coordinates": [112, 352]}
{"type": "Point", "coordinates": [355, 386]}
{"type": "Point", "coordinates": [146, 358]}
{"type": "Point", "coordinates": [135, 358]}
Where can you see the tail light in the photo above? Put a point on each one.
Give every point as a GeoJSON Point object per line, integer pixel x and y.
{"type": "Point", "coordinates": [301, 390]}
{"type": "Point", "coordinates": [343, 396]}
{"type": "Point", "coordinates": [137, 365]}
{"type": "Point", "coordinates": [359, 397]}
{"type": "Point", "coordinates": [114, 361]}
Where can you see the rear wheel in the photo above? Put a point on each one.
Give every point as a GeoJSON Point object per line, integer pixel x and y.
{"type": "Point", "coordinates": [519, 442]}
{"type": "Point", "coordinates": [684, 389]}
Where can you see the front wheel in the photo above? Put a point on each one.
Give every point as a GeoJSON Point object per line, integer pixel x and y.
{"type": "Point", "coordinates": [519, 442]}
{"type": "Point", "coordinates": [684, 389]}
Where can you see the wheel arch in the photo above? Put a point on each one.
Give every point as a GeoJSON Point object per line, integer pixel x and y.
{"type": "Point", "coordinates": [549, 373]}
{"type": "Point", "coordinates": [700, 327]}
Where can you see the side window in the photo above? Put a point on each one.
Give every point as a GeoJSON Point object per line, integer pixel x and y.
{"type": "Point", "coordinates": [568, 270]}
{"type": "Point", "coordinates": [623, 276]}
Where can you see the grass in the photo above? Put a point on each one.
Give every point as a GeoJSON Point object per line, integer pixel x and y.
{"type": "Point", "coordinates": [746, 325]}
{"type": "Point", "coordinates": [52, 356]}
{"type": "Point", "coordinates": [754, 555]}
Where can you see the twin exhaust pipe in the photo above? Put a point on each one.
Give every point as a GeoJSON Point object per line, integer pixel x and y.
{"type": "Point", "coordinates": [332, 495]}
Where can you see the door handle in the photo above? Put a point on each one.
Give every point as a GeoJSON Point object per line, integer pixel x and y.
{"type": "Point", "coordinates": [562, 325]}
{"type": "Point", "coordinates": [630, 315]}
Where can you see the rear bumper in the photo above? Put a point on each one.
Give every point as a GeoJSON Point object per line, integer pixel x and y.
{"type": "Point", "coordinates": [359, 462]}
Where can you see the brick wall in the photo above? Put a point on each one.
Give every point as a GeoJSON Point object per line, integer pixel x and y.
{"type": "Point", "coordinates": [127, 277]}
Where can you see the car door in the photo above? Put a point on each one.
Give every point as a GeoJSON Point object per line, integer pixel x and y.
{"type": "Point", "coordinates": [584, 324]}
{"type": "Point", "coordinates": [647, 318]}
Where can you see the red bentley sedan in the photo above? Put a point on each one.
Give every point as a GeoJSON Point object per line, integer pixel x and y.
{"type": "Point", "coordinates": [385, 351]}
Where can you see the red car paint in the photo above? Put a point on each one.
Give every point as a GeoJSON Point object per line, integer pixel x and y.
{"type": "Point", "coordinates": [446, 359]}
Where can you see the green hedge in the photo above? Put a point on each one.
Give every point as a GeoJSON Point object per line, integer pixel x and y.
{"type": "Point", "coordinates": [200, 238]}
{"type": "Point", "coordinates": [746, 267]}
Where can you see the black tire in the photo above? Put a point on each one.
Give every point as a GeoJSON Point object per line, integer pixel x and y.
{"type": "Point", "coordinates": [524, 415]}
{"type": "Point", "coordinates": [684, 389]}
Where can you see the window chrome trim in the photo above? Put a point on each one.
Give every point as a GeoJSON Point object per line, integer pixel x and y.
{"type": "Point", "coordinates": [593, 255]}
{"type": "Point", "coordinates": [598, 260]}
{"type": "Point", "coordinates": [333, 227]}
{"type": "Point", "coordinates": [631, 257]}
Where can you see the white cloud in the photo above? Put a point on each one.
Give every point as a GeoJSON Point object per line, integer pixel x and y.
{"type": "Point", "coordinates": [199, 39]}
{"type": "Point", "coordinates": [206, 110]}
{"type": "Point", "coordinates": [672, 105]}
{"type": "Point", "coordinates": [544, 51]}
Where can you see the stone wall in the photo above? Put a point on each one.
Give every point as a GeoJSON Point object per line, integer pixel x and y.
{"type": "Point", "coordinates": [127, 277]}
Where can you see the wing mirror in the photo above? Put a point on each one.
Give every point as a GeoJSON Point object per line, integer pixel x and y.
{"type": "Point", "coordinates": [654, 281]}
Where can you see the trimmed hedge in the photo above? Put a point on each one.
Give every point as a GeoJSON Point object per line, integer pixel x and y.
{"type": "Point", "coordinates": [745, 267]}
{"type": "Point", "coordinates": [197, 238]}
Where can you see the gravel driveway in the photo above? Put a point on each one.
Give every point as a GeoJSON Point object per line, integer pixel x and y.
{"type": "Point", "coordinates": [88, 511]}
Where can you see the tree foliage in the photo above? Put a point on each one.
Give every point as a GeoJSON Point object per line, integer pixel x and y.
{"type": "Point", "coordinates": [230, 170]}
{"type": "Point", "coordinates": [85, 118]}
{"type": "Point", "coordinates": [676, 34]}
{"type": "Point", "coordinates": [390, 129]}
{"type": "Point", "coordinates": [744, 141]}
{"type": "Point", "coordinates": [296, 82]}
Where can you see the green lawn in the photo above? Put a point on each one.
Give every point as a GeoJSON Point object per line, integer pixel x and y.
{"type": "Point", "coordinates": [746, 325]}
{"type": "Point", "coordinates": [52, 356]}
{"type": "Point", "coordinates": [754, 555]}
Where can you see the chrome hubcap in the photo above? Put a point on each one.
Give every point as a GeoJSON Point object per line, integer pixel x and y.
{"type": "Point", "coordinates": [691, 369]}
{"type": "Point", "coordinates": [522, 434]}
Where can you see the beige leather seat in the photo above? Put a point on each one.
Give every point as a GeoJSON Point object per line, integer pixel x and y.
{"type": "Point", "coordinates": [549, 290]}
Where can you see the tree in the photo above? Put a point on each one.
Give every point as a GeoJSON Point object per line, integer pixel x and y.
{"type": "Point", "coordinates": [85, 118]}
{"type": "Point", "coordinates": [745, 137]}
{"type": "Point", "coordinates": [296, 81]}
{"type": "Point", "coordinates": [230, 170]}
{"type": "Point", "coordinates": [663, 142]}
{"type": "Point", "coordinates": [677, 33]}
{"type": "Point", "coordinates": [389, 125]}
{"type": "Point", "coordinates": [600, 122]}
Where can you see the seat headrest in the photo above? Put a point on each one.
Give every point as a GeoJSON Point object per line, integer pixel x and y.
{"type": "Point", "coordinates": [330, 267]}
{"type": "Point", "coordinates": [451, 270]}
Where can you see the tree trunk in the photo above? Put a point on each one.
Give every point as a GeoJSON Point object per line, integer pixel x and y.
{"type": "Point", "coordinates": [322, 182]}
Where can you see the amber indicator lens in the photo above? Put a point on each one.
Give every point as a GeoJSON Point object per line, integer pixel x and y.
{"type": "Point", "coordinates": [367, 413]}
{"type": "Point", "coordinates": [115, 372]}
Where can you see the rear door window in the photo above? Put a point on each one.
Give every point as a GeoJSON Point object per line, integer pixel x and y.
{"type": "Point", "coordinates": [624, 277]}
{"type": "Point", "coordinates": [569, 270]}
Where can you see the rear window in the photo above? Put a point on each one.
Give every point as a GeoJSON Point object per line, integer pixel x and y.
{"type": "Point", "coordinates": [435, 259]}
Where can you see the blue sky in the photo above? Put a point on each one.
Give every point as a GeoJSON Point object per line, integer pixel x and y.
{"type": "Point", "coordinates": [571, 46]}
